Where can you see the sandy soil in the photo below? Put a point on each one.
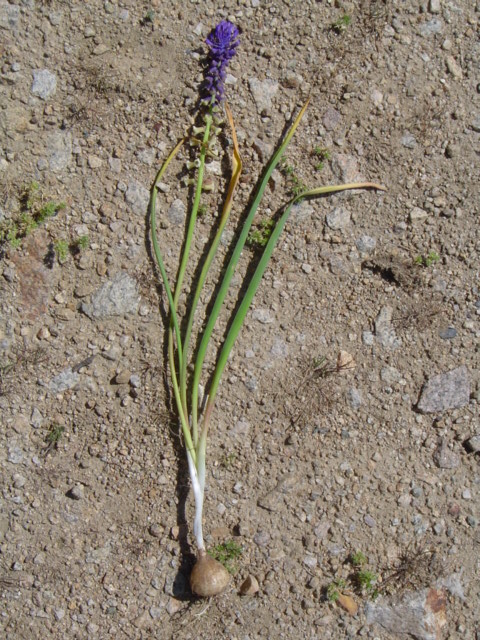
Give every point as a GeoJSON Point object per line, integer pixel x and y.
{"type": "Point", "coordinates": [310, 461]}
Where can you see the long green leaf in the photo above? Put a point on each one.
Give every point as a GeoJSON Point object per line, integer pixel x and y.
{"type": "Point", "coordinates": [222, 292]}
{"type": "Point", "coordinates": [171, 303]}
{"type": "Point", "coordinates": [227, 207]}
{"type": "Point", "coordinates": [255, 282]}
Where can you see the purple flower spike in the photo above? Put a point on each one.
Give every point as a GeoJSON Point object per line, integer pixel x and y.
{"type": "Point", "coordinates": [222, 42]}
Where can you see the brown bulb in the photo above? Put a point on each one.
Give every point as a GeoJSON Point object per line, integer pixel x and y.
{"type": "Point", "coordinates": [209, 577]}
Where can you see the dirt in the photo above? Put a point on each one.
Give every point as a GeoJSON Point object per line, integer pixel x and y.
{"type": "Point", "coordinates": [314, 454]}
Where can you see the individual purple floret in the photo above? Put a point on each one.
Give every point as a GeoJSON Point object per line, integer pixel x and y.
{"type": "Point", "coordinates": [222, 42]}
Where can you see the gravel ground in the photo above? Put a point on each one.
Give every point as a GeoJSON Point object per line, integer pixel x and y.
{"type": "Point", "coordinates": [344, 458]}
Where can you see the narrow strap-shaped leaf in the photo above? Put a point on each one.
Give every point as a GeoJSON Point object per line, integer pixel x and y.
{"type": "Point", "coordinates": [156, 246]}
{"type": "Point", "coordinates": [171, 303]}
{"type": "Point", "coordinates": [222, 292]}
{"type": "Point", "coordinates": [227, 207]}
{"type": "Point", "coordinates": [254, 284]}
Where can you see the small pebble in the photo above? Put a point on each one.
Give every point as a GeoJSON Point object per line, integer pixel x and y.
{"type": "Point", "coordinates": [155, 531]}
{"type": "Point", "coordinates": [369, 521]}
{"type": "Point", "coordinates": [472, 445]}
{"type": "Point", "coordinates": [448, 334]}
{"type": "Point", "coordinates": [123, 377]}
{"type": "Point", "coordinates": [444, 457]}
{"type": "Point", "coordinates": [77, 492]}
{"type": "Point", "coordinates": [417, 215]}
{"type": "Point", "coordinates": [366, 244]}
{"type": "Point", "coordinates": [250, 586]}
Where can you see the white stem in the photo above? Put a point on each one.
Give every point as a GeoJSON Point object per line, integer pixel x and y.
{"type": "Point", "coordinates": [198, 487]}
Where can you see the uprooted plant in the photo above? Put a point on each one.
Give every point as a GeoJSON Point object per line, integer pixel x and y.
{"type": "Point", "coordinates": [209, 577]}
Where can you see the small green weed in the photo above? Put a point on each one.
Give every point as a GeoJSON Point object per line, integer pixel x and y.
{"type": "Point", "coordinates": [202, 210]}
{"type": "Point", "coordinates": [341, 25]}
{"type": "Point", "coordinates": [427, 261]}
{"type": "Point", "coordinates": [259, 237]}
{"type": "Point", "coordinates": [358, 559]}
{"type": "Point", "coordinates": [148, 18]}
{"type": "Point", "coordinates": [227, 553]}
{"type": "Point", "coordinates": [295, 183]}
{"type": "Point", "coordinates": [334, 589]}
{"type": "Point", "coordinates": [361, 581]}
{"type": "Point", "coordinates": [367, 583]}
{"type": "Point", "coordinates": [53, 438]}
{"type": "Point", "coordinates": [55, 433]}
{"type": "Point", "coordinates": [61, 249]}
{"type": "Point", "coordinates": [321, 154]}
{"type": "Point", "coordinates": [81, 243]}
{"type": "Point", "coordinates": [34, 211]}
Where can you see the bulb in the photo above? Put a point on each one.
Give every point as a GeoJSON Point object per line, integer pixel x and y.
{"type": "Point", "coordinates": [209, 577]}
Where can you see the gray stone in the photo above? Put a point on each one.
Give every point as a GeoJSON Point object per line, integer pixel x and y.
{"type": "Point", "coordinates": [369, 521]}
{"type": "Point", "coordinates": [384, 330]}
{"type": "Point", "coordinates": [417, 214]}
{"type": "Point", "coordinates": [66, 379]}
{"type": "Point", "coordinates": [147, 156]}
{"type": "Point", "coordinates": [419, 614]}
{"type": "Point", "coordinates": [177, 212]}
{"type": "Point", "coordinates": [77, 492]}
{"type": "Point", "coordinates": [261, 538]}
{"type": "Point", "coordinates": [36, 419]}
{"type": "Point", "coordinates": [18, 481]}
{"type": "Point", "coordinates": [355, 398]}
{"type": "Point", "coordinates": [476, 124]}
{"type": "Point", "coordinates": [279, 348]}
{"type": "Point", "coordinates": [263, 149]}
{"type": "Point", "coordinates": [263, 92]}
{"type": "Point", "coordinates": [59, 614]}
{"type": "Point", "coordinates": [453, 584]}
{"type": "Point", "coordinates": [448, 334]}
{"type": "Point", "coordinates": [444, 457]}
{"type": "Point", "coordinates": [434, 6]}
{"type": "Point", "coordinates": [115, 164]}
{"type": "Point", "coordinates": [454, 68]}
{"type": "Point", "coordinates": [9, 16]}
{"type": "Point", "coordinates": [99, 555]}
{"type": "Point", "coordinates": [44, 83]}
{"type": "Point", "coordinates": [473, 444]}
{"type": "Point", "coordinates": [338, 218]}
{"type": "Point", "coordinates": [409, 141]}
{"type": "Point", "coordinates": [346, 167]}
{"type": "Point", "coordinates": [331, 119]}
{"type": "Point", "coordinates": [390, 375]}
{"type": "Point", "coordinates": [367, 338]}
{"type": "Point", "coordinates": [433, 26]}
{"type": "Point", "coordinates": [135, 381]}
{"type": "Point", "coordinates": [322, 529]}
{"type": "Point", "coordinates": [15, 455]}
{"type": "Point", "coordinates": [449, 390]}
{"type": "Point", "coordinates": [116, 297]}
{"type": "Point", "coordinates": [59, 149]}
{"type": "Point", "coordinates": [366, 244]}
{"type": "Point", "coordinates": [303, 211]}
{"type": "Point", "coordinates": [55, 18]}
{"type": "Point", "coordinates": [264, 316]}
{"type": "Point", "coordinates": [137, 196]}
